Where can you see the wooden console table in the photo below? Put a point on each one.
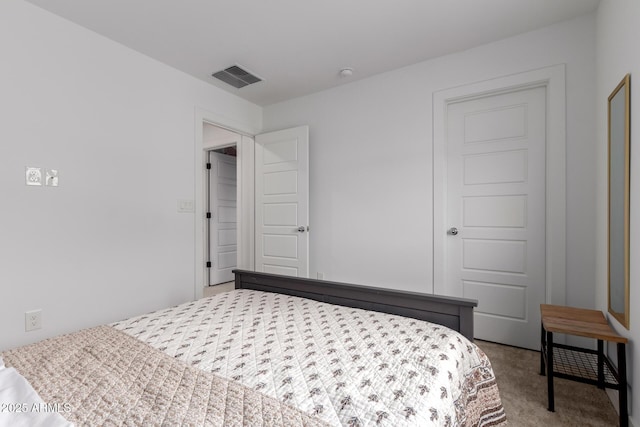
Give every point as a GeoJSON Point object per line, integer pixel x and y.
{"type": "Point", "coordinates": [580, 364]}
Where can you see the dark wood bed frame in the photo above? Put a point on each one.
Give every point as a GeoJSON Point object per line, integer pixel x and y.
{"type": "Point", "coordinates": [454, 313]}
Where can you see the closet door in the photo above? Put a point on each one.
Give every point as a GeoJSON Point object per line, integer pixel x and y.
{"type": "Point", "coordinates": [496, 212]}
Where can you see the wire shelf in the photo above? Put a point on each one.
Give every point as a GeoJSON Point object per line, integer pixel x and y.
{"type": "Point", "coordinates": [580, 364]}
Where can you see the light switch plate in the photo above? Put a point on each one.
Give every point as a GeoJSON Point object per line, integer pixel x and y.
{"type": "Point", "coordinates": [33, 176]}
{"type": "Point", "coordinates": [186, 206]}
{"type": "Point", "coordinates": [51, 178]}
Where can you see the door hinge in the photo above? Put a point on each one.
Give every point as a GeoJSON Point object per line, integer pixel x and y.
{"type": "Point", "coordinates": [208, 215]}
{"type": "Point", "coordinates": [208, 264]}
{"type": "Point", "coordinates": [208, 165]}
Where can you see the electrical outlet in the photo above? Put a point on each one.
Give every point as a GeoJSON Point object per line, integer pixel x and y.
{"type": "Point", "coordinates": [32, 320]}
{"type": "Point", "coordinates": [33, 176]}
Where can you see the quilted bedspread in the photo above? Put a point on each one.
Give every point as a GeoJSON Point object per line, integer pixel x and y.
{"type": "Point", "coordinates": [346, 366]}
{"type": "Point", "coordinates": [103, 377]}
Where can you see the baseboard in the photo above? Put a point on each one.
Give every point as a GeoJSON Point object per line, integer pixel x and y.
{"type": "Point", "coordinates": [613, 397]}
{"type": "Point", "coordinates": [216, 289]}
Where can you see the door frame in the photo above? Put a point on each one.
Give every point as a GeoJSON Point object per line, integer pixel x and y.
{"type": "Point", "coordinates": [553, 79]}
{"type": "Point", "coordinates": [245, 192]}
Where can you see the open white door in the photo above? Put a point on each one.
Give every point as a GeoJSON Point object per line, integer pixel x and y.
{"type": "Point", "coordinates": [282, 202]}
{"type": "Point", "coordinates": [223, 223]}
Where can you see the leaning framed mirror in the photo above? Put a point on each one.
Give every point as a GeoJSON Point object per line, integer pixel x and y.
{"type": "Point", "coordinates": [619, 164]}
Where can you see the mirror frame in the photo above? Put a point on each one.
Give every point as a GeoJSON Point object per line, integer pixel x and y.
{"type": "Point", "coordinates": [615, 140]}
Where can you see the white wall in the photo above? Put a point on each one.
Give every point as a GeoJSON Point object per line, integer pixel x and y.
{"type": "Point", "coordinates": [618, 31]}
{"type": "Point", "coordinates": [371, 159]}
{"type": "Point", "coordinates": [109, 242]}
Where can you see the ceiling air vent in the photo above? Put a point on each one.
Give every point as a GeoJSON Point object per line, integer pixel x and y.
{"type": "Point", "coordinates": [236, 77]}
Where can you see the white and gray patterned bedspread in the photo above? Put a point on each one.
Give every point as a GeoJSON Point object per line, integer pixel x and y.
{"type": "Point", "coordinates": [347, 366]}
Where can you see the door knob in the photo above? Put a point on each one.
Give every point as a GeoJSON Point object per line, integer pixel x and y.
{"type": "Point", "coordinates": [301, 229]}
{"type": "Point", "coordinates": [452, 231]}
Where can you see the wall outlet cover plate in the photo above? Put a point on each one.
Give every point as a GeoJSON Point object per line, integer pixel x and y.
{"type": "Point", "coordinates": [33, 176]}
{"type": "Point", "coordinates": [32, 320]}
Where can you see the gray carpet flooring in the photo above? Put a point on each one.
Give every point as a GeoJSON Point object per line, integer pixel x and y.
{"type": "Point", "coordinates": [524, 392]}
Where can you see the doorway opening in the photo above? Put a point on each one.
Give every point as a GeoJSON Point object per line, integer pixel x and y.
{"type": "Point", "coordinates": [214, 132]}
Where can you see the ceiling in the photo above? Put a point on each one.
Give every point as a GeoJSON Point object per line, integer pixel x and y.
{"type": "Point", "coordinates": [299, 46]}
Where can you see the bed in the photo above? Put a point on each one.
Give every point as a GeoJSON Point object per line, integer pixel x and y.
{"type": "Point", "coordinates": [276, 351]}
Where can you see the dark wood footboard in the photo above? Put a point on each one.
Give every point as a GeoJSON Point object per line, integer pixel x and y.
{"type": "Point", "coordinates": [454, 313]}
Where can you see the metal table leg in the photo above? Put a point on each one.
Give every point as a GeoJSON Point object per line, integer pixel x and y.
{"type": "Point", "coordinates": [550, 370]}
{"type": "Point", "coordinates": [543, 343]}
{"type": "Point", "coordinates": [601, 364]}
{"type": "Point", "coordinates": [622, 382]}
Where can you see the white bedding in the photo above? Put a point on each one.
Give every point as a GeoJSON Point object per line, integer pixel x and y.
{"type": "Point", "coordinates": [20, 405]}
{"type": "Point", "coordinates": [347, 366]}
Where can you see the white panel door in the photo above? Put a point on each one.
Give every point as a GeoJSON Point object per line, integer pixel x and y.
{"type": "Point", "coordinates": [496, 201]}
{"type": "Point", "coordinates": [282, 202]}
{"type": "Point", "coordinates": [223, 222]}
